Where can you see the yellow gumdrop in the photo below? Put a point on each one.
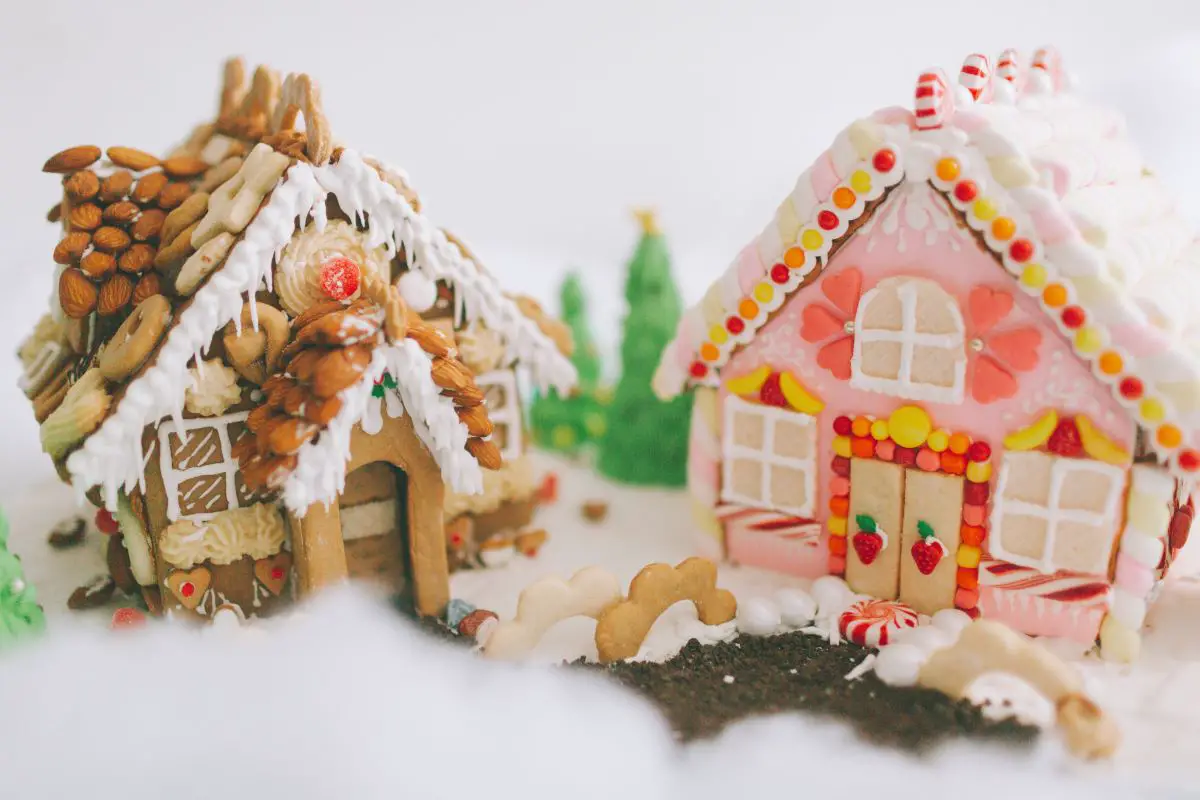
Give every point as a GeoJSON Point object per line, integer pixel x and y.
{"type": "Point", "coordinates": [841, 446]}
{"type": "Point", "coordinates": [909, 426]}
{"type": "Point", "coordinates": [968, 556]}
{"type": "Point", "coordinates": [879, 430]}
{"type": "Point", "coordinates": [836, 525]}
{"type": "Point", "coordinates": [860, 181]}
{"type": "Point", "coordinates": [979, 471]}
{"type": "Point", "coordinates": [938, 441]}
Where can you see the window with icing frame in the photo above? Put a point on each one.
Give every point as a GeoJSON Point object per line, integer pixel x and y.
{"type": "Point", "coordinates": [909, 342]}
{"type": "Point", "coordinates": [504, 409]}
{"type": "Point", "coordinates": [199, 474]}
{"type": "Point", "coordinates": [769, 458]}
{"type": "Point", "coordinates": [1053, 513]}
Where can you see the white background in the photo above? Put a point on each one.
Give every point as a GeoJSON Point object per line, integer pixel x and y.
{"type": "Point", "coordinates": [532, 128]}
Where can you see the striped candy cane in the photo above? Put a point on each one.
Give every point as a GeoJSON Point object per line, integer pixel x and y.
{"type": "Point", "coordinates": [1049, 61]}
{"type": "Point", "coordinates": [933, 105]}
{"type": "Point", "coordinates": [976, 75]}
{"type": "Point", "coordinates": [1008, 68]}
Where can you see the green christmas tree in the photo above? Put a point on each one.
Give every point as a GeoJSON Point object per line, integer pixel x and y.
{"type": "Point", "coordinates": [568, 423]}
{"type": "Point", "coordinates": [19, 612]}
{"type": "Point", "coordinates": [648, 441]}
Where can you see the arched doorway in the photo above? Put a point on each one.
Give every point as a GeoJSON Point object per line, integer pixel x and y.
{"type": "Point", "coordinates": [373, 513]}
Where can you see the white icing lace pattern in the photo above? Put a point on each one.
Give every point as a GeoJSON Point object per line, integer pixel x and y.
{"type": "Point", "coordinates": [320, 473]}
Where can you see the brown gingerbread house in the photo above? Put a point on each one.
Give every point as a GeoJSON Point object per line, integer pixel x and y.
{"type": "Point", "coordinates": [230, 365]}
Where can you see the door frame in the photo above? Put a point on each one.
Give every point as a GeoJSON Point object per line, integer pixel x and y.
{"type": "Point", "coordinates": [924, 448]}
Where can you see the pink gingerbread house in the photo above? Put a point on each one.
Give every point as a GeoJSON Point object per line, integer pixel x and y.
{"type": "Point", "coordinates": [957, 367]}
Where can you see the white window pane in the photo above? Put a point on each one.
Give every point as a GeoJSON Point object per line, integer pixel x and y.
{"type": "Point", "coordinates": [749, 430]}
{"type": "Point", "coordinates": [1085, 490]}
{"type": "Point", "coordinates": [885, 312]}
{"type": "Point", "coordinates": [1082, 547]}
{"type": "Point", "coordinates": [1023, 537]}
{"type": "Point", "coordinates": [794, 440]}
{"type": "Point", "coordinates": [789, 487]}
{"type": "Point", "coordinates": [935, 366]}
{"type": "Point", "coordinates": [745, 478]}
{"type": "Point", "coordinates": [881, 360]}
{"type": "Point", "coordinates": [1027, 477]}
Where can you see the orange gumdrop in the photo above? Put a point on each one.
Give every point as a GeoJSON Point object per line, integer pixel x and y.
{"type": "Point", "coordinates": [861, 426]}
{"type": "Point", "coordinates": [968, 578]}
{"type": "Point", "coordinates": [839, 506]}
{"type": "Point", "coordinates": [953, 463]}
{"type": "Point", "coordinates": [862, 448]}
{"type": "Point", "coordinates": [837, 545]}
{"type": "Point", "coordinates": [972, 534]}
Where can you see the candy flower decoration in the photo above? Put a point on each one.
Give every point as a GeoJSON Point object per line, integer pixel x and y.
{"type": "Point", "coordinates": [870, 539]}
{"type": "Point", "coordinates": [928, 551]}
{"type": "Point", "coordinates": [818, 323]}
{"type": "Point", "coordinates": [339, 278]}
{"type": "Point", "coordinates": [999, 355]}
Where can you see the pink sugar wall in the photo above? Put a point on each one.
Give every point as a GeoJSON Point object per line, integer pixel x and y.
{"type": "Point", "coordinates": [899, 241]}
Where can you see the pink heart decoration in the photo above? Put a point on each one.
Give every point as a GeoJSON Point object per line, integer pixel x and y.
{"type": "Point", "coordinates": [991, 382]}
{"type": "Point", "coordinates": [988, 306]}
{"type": "Point", "coordinates": [818, 323]}
{"type": "Point", "coordinates": [836, 356]}
{"type": "Point", "coordinates": [843, 290]}
{"type": "Point", "coordinates": [1018, 349]}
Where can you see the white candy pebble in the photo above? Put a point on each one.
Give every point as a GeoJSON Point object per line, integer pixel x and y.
{"type": "Point", "coordinates": [832, 594]}
{"type": "Point", "coordinates": [757, 616]}
{"type": "Point", "coordinates": [417, 290]}
{"type": "Point", "coordinates": [925, 638]}
{"type": "Point", "coordinates": [796, 607]}
{"type": "Point", "coordinates": [899, 664]}
{"type": "Point", "coordinates": [951, 620]}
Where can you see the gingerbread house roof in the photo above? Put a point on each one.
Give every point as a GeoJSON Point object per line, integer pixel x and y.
{"type": "Point", "coordinates": [295, 173]}
{"type": "Point", "coordinates": [1093, 234]}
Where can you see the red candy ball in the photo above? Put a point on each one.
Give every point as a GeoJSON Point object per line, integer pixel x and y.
{"type": "Point", "coordinates": [735, 325]}
{"type": "Point", "coordinates": [339, 278]}
{"type": "Point", "coordinates": [1021, 250]}
{"type": "Point", "coordinates": [780, 273]}
{"type": "Point", "coordinates": [966, 191]}
{"type": "Point", "coordinates": [842, 426]}
{"type": "Point", "coordinates": [1073, 316]}
{"type": "Point", "coordinates": [827, 220]}
{"type": "Point", "coordinates": [698, 370]}
{"type": "Point", "coordinates": [979, 451]}
{"type": "Point", "coordinates": [884, 161]}
{"type": "Point", "coordinates": [1189, 460]}
{"type": "Point", "coordinates": [1131, 388]}
{"type": "Point", "coordinates": [127, 618]}
{"type": "Point", "coordinates": [105, 522]}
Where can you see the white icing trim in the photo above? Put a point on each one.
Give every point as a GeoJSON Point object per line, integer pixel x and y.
{"type": "Point", "coordinates": [767, 457]}
{"type": "Point", "coordinates": [909, 339]}
{"type": "Point", "coordinates": [509, 414]}
{"type": "Point", "coordinates": [320, 474]}
{"type": "Point", "coordinates": [1060, 470]}
{"type": "Point", "coordinates": [226, 465]}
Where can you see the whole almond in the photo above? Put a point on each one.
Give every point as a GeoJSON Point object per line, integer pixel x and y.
{"type": "Point", "coordinates": [121, 212]}
{"type": "Point", "coordinates": [136, 259]}
{"type": "Point", "coordinates": [148, 187]}
{"type": "Point", "coordinates": [69, 250]}
{"type": "Point", "coordinates": [85, 217]}
{"type": "Point", "coordinates": [76, 294]}
{"type": "Point", "coordinates": [173, 195]}
{"type": "Point", "coordinates": [115, 294]}
{"type": "Point", "coordinates": [72, 158]}
{"type": "Point", "coordinates": [110, 239]}
{"type": "Point", "coordinates": [149, 225]}
{"type": "Point", "coordinates": [55, 213]}
{"type": "Point", "coordinates": [136, 160]}
{"type": "Point", "coordinates": [116, 186]}
{"type": "Point", "coordinates": [97, 264]}
{"type": "Point", "coordinates": [82, 186]}
{"type": "Point", "coordinates": [184, 166]}
{"type": "Point", "coordinates": [147, 285]}
{"type": "Point", "coordinates": [485, 452]}
{"type": "Point", "coordinates": [188, 213]}
{"type": "Point", "coordinates": [175, 253]}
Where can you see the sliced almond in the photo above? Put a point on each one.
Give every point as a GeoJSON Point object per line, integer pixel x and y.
{"type": "Point", "coordinates": [131, 158]}
{"type": "Point", "coordinates": [72, 158]}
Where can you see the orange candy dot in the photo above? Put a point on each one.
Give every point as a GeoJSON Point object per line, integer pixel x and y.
{"type": "Point", "coordinates": [968, 578]}
{"type": "Point", "coordinates": [843, 198]}
{"type": "Point", "coordinates": [1003, 228]}
{"type": "Point", "coordinates": [1055, 295]}
{"type": "Point", "coordinates": [839, 506]}
{"type": "Point", "coordinates": [1111, 363]}
{"type": "Point", "coordinates": [959, 443]}
{"type": "Point", "coordinates": [748, 308]}
{"type": "Point", "coordinates": [1169, 436]}
{"type": "Point", "coordinates": [861, 426]}
{"type": "Point", "coordinates": [953, 463]}
{"type": "Point", "coordinates": [947, 169]}
{"type": "Point", "coordinates": [862, 448]}
{"type": "Point", "coordinates": [972, 535]}
{"type": "Point", "coordinates": [794, 258]}
{"type": "Point", "coordinates": [837, 545]}
{"type": "Point", "coordinates": [709, 352]}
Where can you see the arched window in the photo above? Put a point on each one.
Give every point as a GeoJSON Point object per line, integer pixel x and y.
{"type": "Point", "coordinates": [909, 342]}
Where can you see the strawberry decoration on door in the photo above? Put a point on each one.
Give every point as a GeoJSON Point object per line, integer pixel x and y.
{"type": "Point", "coordinates": [870, 539]}
{"type": "Point", "coordinates": [928, 550]}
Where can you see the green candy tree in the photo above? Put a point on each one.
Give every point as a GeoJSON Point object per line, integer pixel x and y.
{"type": "Point", "coordinates": [566, 424]}
{"type": "Point", "coordinates": [647, 443]}
{"type": "Point", "coordinates": [19, 612]}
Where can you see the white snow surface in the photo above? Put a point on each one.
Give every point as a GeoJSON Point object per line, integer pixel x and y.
{"type": "Point", "coordinates": [345, 700]}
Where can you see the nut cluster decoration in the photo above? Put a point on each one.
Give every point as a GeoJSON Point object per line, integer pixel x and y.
{"type": "Point", "coordinates": [113, 225]}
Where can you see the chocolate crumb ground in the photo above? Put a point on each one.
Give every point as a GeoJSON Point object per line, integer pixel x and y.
{"type": "Point", "coordinates": [798, 672]}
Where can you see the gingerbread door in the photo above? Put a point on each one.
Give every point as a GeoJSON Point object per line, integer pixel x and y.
{"type": "Point", "coordinates": [373, 511]}
{"type": "Point", "coordinates": [904, 532]}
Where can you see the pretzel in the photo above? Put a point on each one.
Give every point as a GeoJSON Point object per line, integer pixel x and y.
{"type": "Point", "coordinates": [233, 87]}
{"type": "Point", "coordinates": [234, 203]}
{"type": "Point", "coordinates": [622, 628]}
{"type": "Point", "coordinates": [587, 594]}
{"type": "Point", "coordinates": [254, 354]}
{"type": "Point", "coordinates": [301, 95]}
{"type": "Point", "coordinates": [258, 104]}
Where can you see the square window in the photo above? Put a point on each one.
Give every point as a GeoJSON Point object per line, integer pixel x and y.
{"type": "Point", "coordinates": [884, 313]}
{"type": "Point", "coordinates": [1024, 536]}
{"type": "Point", "coordinates": [1027, 477]}
{"type": "Point", "coordinates": [1083, 547]}
{"type": "Point", "coordinates": [935, 366]}
{"type": "Point", "coordinates": [793, 440]}
{"type": "Point", "coordinates": [199, 473]}
{"type": "Point", "coordinates": [748, 431]}
{"type": "Point", "coordinates": [198, 447]}
{"type": "Point", "coordinates": [769, 457]}
{"type": "Point", "coordinates": [495, 396]}
{"type": "Point", "coordinates": [1085, 490]}
{"type": "Point", "coordinates": [500, 435]}
{"type": "Point", "coordinates": [789, 487]}
{"type": "Point", "coordinates": [204, 494]}
{"type": "Point", "coordinates": [746, 478]}
{"type": "Point", "coordinates": [881, 359]}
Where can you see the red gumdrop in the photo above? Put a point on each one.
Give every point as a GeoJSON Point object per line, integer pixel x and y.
{"type": "Point", "coordinates": [127, 618]}
{"type": "Point", "coordinates": [105, 522]}
{"type": "Point", "coordinates": [842, 426]}
{"type": "Point", "coordinates": [339, 278]}
{"type": "Point", "coordinates": [979, 451]}
{"type": "Point", "coordinates": [1065, 441]}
